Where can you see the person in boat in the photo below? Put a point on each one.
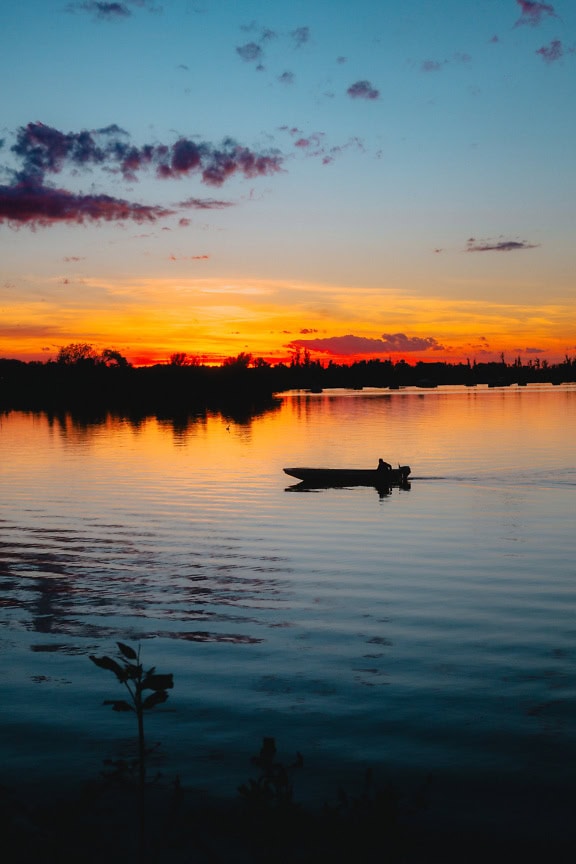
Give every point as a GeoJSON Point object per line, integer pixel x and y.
{"type": "Point", "coordinates": [383, 467]}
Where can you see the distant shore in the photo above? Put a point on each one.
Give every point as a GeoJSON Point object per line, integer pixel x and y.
{"type": "Point", "coordinates": [240, 389]}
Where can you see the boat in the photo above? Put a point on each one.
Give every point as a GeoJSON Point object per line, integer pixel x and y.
{"type": "Point", "coordinates": [378, 477]}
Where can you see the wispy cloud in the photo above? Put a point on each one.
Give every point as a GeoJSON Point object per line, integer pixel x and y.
{"type": "Point", "coordinates": [474, 245]}
{"type": "Point", "coordinates": [363, 90]}
{"type": "Point", "coordinates": [188, 257]}
{"type": "Point", "coordinates": [432, 65]}
{"type": "Point", "coordinates": [300, 36]}
{"type": "Point", "coordinates": [255, 51]}
{"type": "Point", "coordinates": [205, 204]}
{"type": "Point", "coordinates": [533, 13]}
{"type": "Point", "coordinates": [552, 52]}
{"type": "Point", "coordinates": [350, 345]}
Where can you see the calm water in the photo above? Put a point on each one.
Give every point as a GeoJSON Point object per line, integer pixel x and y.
{"type": "Point", "coordinates": [431, 631]}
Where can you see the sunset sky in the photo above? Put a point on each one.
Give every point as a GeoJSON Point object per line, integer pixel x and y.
{"type": "Point", "coordinates": [361, 179]}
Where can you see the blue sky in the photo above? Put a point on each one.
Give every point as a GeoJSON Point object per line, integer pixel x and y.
{"type": "Point", "coordinates": [362, 179]}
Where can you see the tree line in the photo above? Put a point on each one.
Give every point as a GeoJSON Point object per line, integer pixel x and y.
{"type": "Point", "coordinates": [85, 378]}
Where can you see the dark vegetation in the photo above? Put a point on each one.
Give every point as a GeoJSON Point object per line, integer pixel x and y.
{"type": "Point", "coordinates": [126, 816]}
{"type": "Point", "coordinates": [83, 380]}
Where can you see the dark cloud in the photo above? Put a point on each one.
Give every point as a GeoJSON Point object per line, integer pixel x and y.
{"type": "Point", "coordinates": [102, 10]}
{"type": "Point", "coordinates": [306, 330]}
{"type": "Point", "coordinates": [532, 13]}
{"type": "Point", "coordinates": [363, 90]}
{"type": "Point", "coordinates": [300, 36]}
{"type": "Point", "coordinates": [552, 52]}
{"type": "Point", "coordinates": [250, 52]}
{"type": "Point", "coordinates": [37, 205]}
{"type": "Point", "coordinates": [45, 150]}
{"type": "Point", "coordinates": [286, 78]}
{"type": "Point", "coordinates": [474, 245]}
{"type": "Point", "coordinates": [205, 204]}
{"type": "Point", "coordinates": [111, 11]}
{"type": "Point", "coordinates": [349, 345]}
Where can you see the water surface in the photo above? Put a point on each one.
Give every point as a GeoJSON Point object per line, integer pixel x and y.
{"type": "Point", "coordinates": [431, 631]}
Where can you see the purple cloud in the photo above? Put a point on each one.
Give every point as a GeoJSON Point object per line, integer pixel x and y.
{"type": "Point", "coordinates": [205, 204]}
{"type": "Point", "coordinates": [37, 205]}
{"type": "Point", "coordinates": [532, 13]}
{"type": "Point", "coordinates": [552, 52]}
{"type": "Point", "coordinates": [363, 90]}
{"type": "Point", "coordinates": [474, 245]}
{"type": "Point", "coordinates": [44, 149]}
{"type": "Point", "coordinates": [350, 345]}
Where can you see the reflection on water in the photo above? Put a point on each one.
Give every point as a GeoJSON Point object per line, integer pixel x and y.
{"type": "Point", "coordinates": [413, 631]}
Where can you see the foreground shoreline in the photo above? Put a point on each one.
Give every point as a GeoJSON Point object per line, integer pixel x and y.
{"type": "Point", "coordinates": [100, 821]}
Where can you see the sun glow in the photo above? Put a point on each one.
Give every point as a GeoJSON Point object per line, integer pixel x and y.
{"type": "Point", "coordinates": [148, 319]}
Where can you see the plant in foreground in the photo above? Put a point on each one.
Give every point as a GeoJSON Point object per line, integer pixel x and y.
{"type": "Point", "coordinates": [130, 672]}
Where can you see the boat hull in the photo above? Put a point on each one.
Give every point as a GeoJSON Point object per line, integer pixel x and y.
{"type": "Point", "coordinates": [350, 476]}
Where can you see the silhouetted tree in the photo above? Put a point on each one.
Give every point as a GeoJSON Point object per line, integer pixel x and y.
{"type": "Point", "coordinates": [241, 361]}
{"type": "Point", "coordinates": [110, 357]}
{"type": "Point", "coordinates": [75, 353]}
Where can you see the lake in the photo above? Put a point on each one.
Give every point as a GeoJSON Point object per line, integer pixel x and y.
{"type": "Point", "coordinates": [429, 634]}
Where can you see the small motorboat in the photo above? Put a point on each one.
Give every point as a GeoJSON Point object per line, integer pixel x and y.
{"type": "Point", "coordinates": [381, 477]}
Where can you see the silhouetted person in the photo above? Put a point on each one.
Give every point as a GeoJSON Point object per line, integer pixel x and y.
{"type": "Point", "coordinates": [383, 467]}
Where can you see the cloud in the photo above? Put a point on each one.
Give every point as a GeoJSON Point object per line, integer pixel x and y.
{"type": "Point", "coordinates": [532, 13]}
{"type": "Point", "coordinates": [111, 11]}
{"type": "Point", "coordinates": [349, 345]}
{"type": "Point", "coordinates": [27, 203]}
{"type": "Point", "coordinates": [250, 52]}
{"type": "Point", "coordinates": [474, 245]}
{"type": "Point", "coordinates": [205, 204]}
{"type": "Point", "coordinates": [363, 90]}
{"type": "Point", "coordinates": [102, 10]}
{"type": "Point", "coordinates": [300, 36]}
{"type": "Point", "coordinates": [286, 78]}
{"type": "Point", "coordinates": [431, 66]}
{"type": "Point", "coordinates": [552, 52]}
{"type": "Point", "coordinates": [44, 149]}
{"type": "Point", "coordinates": [188, 257]}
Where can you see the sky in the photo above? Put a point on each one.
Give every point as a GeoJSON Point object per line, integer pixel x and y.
{"type": "Point", "coordinates": [367, 179]}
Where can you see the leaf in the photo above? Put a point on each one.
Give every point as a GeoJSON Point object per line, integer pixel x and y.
{"type": "Point", "coordinates": [109, 664]}
{"type": "Point", "coordinates": [127, 651]}
{"type": "Point", "coordinates": [154, 699]}
{"type": "Point", "coordinates": [158, 682]}
{"type": "Point", "coordinates": [118, 704]}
